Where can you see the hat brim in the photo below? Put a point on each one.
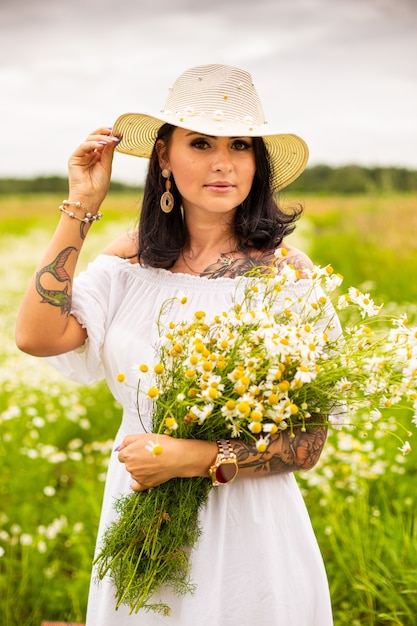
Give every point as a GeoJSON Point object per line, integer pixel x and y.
{"type": "Point", "coordinates": [288, 153]}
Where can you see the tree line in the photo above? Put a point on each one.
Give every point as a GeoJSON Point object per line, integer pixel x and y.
{"type": "Point", "coordinates": [351, 179]}
{"type": "Point", "coordinates": [48, 184]}
{"type": "Point", "coordinates": [347, 179]}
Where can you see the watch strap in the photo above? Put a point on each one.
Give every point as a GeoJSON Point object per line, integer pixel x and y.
{"type": "Point", "coordinates": [225, 468]}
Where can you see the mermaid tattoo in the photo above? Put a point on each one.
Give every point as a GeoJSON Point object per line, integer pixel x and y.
{"type": "Point", "coordinates": [56, 297]}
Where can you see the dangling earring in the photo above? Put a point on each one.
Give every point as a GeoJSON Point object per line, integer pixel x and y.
{"type": "Point", "coordinates": [167, 199]}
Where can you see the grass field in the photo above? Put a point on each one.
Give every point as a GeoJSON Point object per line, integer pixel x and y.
{"type": "Point", "coordinates": [55, 436]}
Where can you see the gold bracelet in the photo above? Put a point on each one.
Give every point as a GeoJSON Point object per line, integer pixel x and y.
{"type": "Point", "coordinates": [88, 218]}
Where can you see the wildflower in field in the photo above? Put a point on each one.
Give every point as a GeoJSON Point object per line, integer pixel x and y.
{"type": "Point", "coordinates": [405, 448]}
{"type": "Point", "coordinates": [26, 539]}
{"type": "Point", "coordinates": [375, 415]}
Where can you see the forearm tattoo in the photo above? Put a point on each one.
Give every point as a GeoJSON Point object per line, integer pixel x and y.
{"type": "Point", "coordinates": [284, 453]}
{"type": "Point", "coordinates": [60, 298]}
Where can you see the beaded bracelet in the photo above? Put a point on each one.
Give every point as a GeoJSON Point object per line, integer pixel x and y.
{"type": "Point", "coordinates": [88, 219]}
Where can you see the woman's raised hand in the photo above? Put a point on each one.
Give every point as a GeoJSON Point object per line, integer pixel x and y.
{"type": "Point", "coordinates": [89, 168]}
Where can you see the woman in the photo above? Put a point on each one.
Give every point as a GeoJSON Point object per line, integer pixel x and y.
{"type": "Point", "coordinates": [208, 216]}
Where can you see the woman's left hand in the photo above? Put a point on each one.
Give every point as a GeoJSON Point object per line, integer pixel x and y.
{"type": "Point", "coordinates": [176, 458]}
{"type": "Point", "coordinates": [90, 166]}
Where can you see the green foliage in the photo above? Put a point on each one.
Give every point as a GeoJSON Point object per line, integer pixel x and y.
{"type": "Point", "coordinates": [154, 531]}
{"type": "Point", "coordinates": [55, 443]}
{"type": "Point", "coordinates": [49, 184]}
{"type": "Point", "coordinates": [354, 179]}
{"type": "Point", "coordinates": [370, 240]}
{"type": "Point", "coordinates": [368, 536]}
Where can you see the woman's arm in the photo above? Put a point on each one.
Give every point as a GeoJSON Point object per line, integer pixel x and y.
{"type": "Point", "coordinates": [189, 457]}
{"type": "Point", "coordinates": [45, 326]}
{"type": "Point", "coordinates": [284, 453]}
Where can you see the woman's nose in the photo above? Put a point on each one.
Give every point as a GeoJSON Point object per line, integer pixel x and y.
{"type": "Point", "coordinates": [222, 159]}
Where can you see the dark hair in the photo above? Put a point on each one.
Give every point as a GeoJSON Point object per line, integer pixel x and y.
{"type": "Point", "coordinates": [259, 222]}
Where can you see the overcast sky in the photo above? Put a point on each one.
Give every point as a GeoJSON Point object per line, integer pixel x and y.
{"type": "Point", "coordinates": [342, 74]}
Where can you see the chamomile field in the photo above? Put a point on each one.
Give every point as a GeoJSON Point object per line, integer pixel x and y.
{"type": "Point", "coordinates": [56, 436]}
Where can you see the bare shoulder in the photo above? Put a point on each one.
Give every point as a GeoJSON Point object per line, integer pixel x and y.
{"type": "Point", "coordinates": [293, 256]}
{"type": "Point", "coordinates": [125, 247]}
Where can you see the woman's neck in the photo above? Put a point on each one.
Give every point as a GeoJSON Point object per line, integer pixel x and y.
{"type": "Point", "coordinates": [209, 239]}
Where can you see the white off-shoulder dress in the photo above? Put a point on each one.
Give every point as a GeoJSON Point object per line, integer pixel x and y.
{"type": "Point", "coordinates": [257, 562]}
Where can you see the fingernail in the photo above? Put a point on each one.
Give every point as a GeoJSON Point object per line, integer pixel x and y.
{"type": "Point", "coordinates": [115, 139]}
{"type": "Point", "coordinates": [103, 143]}
{"type": "Point", "coordinates": [117, 448]}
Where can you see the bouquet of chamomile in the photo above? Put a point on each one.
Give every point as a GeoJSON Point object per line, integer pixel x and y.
{"type": "Point", "coordinates": [275, 363]}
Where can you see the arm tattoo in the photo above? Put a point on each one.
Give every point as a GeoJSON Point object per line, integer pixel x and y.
{"type": "Point", "coordinates": [83, 226]}
{"type": "Point", "coordinates": [55, 297]}
{"type": "Point", "coordinates": [284, 454]}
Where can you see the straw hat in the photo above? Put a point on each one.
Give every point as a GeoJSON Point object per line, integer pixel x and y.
{"type": "Point", "coordinates": [216, 100]}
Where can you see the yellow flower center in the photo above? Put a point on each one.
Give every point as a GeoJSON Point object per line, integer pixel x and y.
{"type": "Point", "coordinates": [284, 386]}
{"type": "Point", "coordinates": [153, 392]}
{"type": "Point", "coordinates": [243, 407]}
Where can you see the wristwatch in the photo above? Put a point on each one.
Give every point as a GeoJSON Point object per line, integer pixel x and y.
{"type": "Point", "coordinates": [224, 469]}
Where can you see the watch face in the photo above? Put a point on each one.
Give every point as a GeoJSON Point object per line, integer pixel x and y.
{"type": "Point", "coordinates": [226, 472]}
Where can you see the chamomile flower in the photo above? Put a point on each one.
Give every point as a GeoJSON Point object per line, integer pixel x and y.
{"type": "Point", "coordinates": [262, 444]}
{"type": "Point", "coordinates": [375, 415]}
{"type": "Point", "coordinates": [343, 385]}
{"type": "Point", "coordinates": [202, 413]}
{"type": "Point", "coordinates": [304, 374]}
{"type": "Point", "coordinates": [405, 448]}
{"type": "Point", "coordinates": [281, 252]}
{"type": "Point", "coordinates": [154, 448]}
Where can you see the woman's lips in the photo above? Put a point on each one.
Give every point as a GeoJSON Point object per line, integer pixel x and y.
{"type": "Point", "coordinates": [220, 186]}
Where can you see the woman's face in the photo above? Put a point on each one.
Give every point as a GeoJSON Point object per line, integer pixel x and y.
{"type": "Point", "coordinates": [212, 174]}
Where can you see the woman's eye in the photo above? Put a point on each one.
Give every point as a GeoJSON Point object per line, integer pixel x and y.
{"type": "Point", "coordinates": [200, 144]}
{"type": "Point", "coordinates": [240, 144]}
